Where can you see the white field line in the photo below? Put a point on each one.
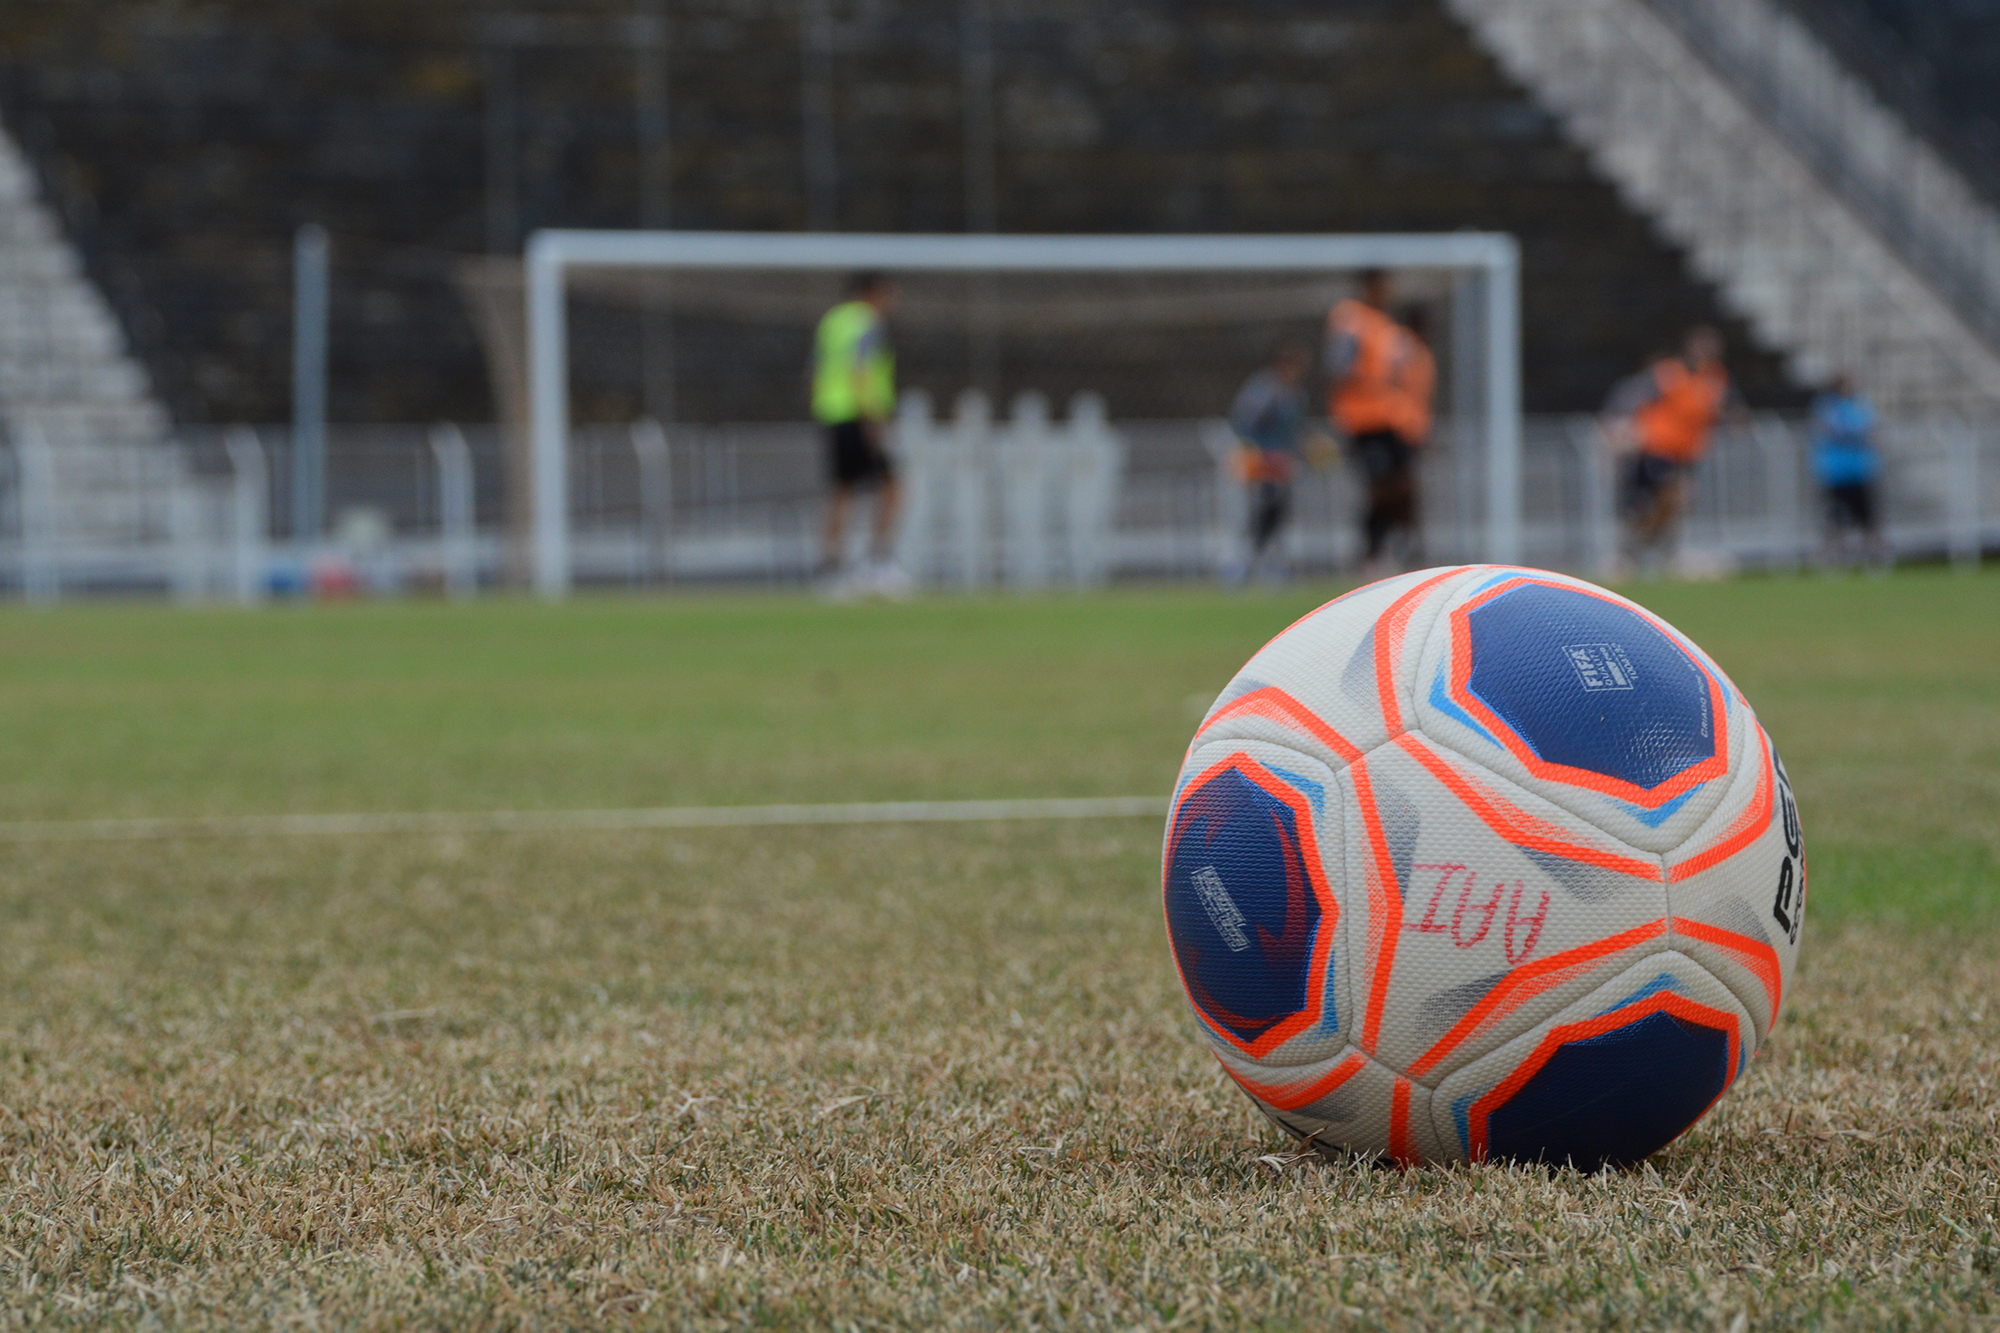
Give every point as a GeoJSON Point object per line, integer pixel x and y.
{"type": "Point", "coordinates": [541, 821]}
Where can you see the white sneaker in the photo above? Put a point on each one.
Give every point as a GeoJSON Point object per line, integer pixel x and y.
{"type": "Point", "coordinates": [888, 579]}
{"type": "Point", "coordinates": [840, 586]}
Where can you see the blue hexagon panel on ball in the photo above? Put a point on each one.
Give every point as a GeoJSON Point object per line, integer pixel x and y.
{"type": "Point", "coordinates": [1249, 912]}
{"type": "Point", "coordinates": [1613, 1090]}
{"type": "Point", "coordinates": [1587, 692]}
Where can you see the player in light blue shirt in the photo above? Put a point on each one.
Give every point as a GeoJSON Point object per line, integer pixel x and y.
{"type": "Point", "coordinates": [1848, 468]}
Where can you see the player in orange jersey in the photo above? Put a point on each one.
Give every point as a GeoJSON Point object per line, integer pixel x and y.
{"type": "Point", "coordinates": [1666, 416]}
{"type": "Point", "coordinates": [1380, 377]}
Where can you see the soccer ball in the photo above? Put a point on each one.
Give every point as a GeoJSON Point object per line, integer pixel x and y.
{"type": "Point", "coordinates": [1484, 862]}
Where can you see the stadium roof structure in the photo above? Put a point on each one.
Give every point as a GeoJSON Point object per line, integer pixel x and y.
{"type": "Point", "coordinates": [1492, 260]}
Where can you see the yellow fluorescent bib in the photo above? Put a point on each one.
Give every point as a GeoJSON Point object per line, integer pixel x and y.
{"type": "Point", "coordinates": [854, 372]}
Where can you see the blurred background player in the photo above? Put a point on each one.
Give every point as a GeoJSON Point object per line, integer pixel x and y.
{"type": "Point", "coordinates": [1380, 376]}
{"type": "Point", "coordinates": [1847, 467]}
{"type": "Point", "coordinates": [1665, 416]}
{"type": "Point", "coordinates": [1269, 418]}
{"type": "Point", "coordinates": [854, 397]}
{"type": "Point", "coordinates": [1414, 374]}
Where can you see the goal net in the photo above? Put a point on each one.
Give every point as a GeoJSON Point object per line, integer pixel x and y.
{"type": "Point", "coordinates": [718, 327]}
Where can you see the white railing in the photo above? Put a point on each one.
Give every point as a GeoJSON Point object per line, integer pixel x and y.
{"type": "Point", "coordinates": [1024, 502]}
{"type": "Point", "coordinates": [457, 521]}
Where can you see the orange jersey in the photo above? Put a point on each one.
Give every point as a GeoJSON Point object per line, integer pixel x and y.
{"type": "Point", "coordinates": [1364, 399]}
{"type": "Point", "coordinates": [1388, 384]}
{"type": "Point", "coordinates": [1414, 375]}
{"type": "Point", "coordinates": [1677, 423]}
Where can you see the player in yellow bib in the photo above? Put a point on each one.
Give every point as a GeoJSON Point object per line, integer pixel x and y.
{"type": "Point", "coordinates": [853, 398]}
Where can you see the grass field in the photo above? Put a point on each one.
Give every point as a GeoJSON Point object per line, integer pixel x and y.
{"type": "Point", "coordinates": [888, 1076]}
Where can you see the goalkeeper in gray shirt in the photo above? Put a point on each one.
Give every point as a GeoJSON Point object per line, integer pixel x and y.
{"type": "Point", "coordinates": [1269, 418]}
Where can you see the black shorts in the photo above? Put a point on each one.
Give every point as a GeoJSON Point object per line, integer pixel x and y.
{"type": "Point", "coordinates": [1851, 505]}
{"type": "Point", "coordinates": [853, 458]}
{"type": "Point", "coordinates": [1648, 475]}
{"type": "Point", "coordinates": [1384, 455]}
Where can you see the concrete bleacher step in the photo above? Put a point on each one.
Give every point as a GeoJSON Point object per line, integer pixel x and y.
{"type": "Point", "coordinates": [1814, 271]}
{"type": "Point", "coordinates": [68, 380]}
{"type": "Point", "coordinates": [68, 386]}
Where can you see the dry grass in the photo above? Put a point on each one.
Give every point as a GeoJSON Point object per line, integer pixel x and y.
{"type": "Point", "coordinates": [867, 1077]}
{"type": "Point", "coordinates": [885, 1077]}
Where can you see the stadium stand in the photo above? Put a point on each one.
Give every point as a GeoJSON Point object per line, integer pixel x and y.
{"type": "Point", "coordinates": [197, 140]}
{"type": "Point", "coordinates": [1844, 236]}
{"type": "Point", "coordinates": [74, 405]}
{"type": "Point", "coordinates": [1780, 167]}
{"type": "Point", "coordinates": [1930, 63]}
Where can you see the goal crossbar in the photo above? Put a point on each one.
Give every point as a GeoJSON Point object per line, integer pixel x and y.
{"type": "Point", "coordinates": [553, 254]}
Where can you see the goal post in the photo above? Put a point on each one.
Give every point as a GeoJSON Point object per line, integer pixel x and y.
{"type": "Point", "coordinates": [1488, 262]}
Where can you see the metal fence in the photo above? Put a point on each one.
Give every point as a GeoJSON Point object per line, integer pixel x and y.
{"type": "Point", "coordinates": [1027, 501]}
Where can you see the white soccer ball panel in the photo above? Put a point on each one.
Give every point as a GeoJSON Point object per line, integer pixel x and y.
{"type": "Point", "coordinates": [1737, 889]}
{"type": "Point", "coordinates": [1476, 909]}
{"type": "Point", "coordinates": [1341, 1099]}
{"type": "Point", "coordinates": [1350, 1102]}
{"type": "Point", "coordinates": [1317, 685]}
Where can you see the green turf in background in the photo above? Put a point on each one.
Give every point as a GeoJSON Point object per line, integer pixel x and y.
{"type": "Point", "coordinates": [1884, 696]}
{"type": "Point", "coordinates": [127, 711]}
